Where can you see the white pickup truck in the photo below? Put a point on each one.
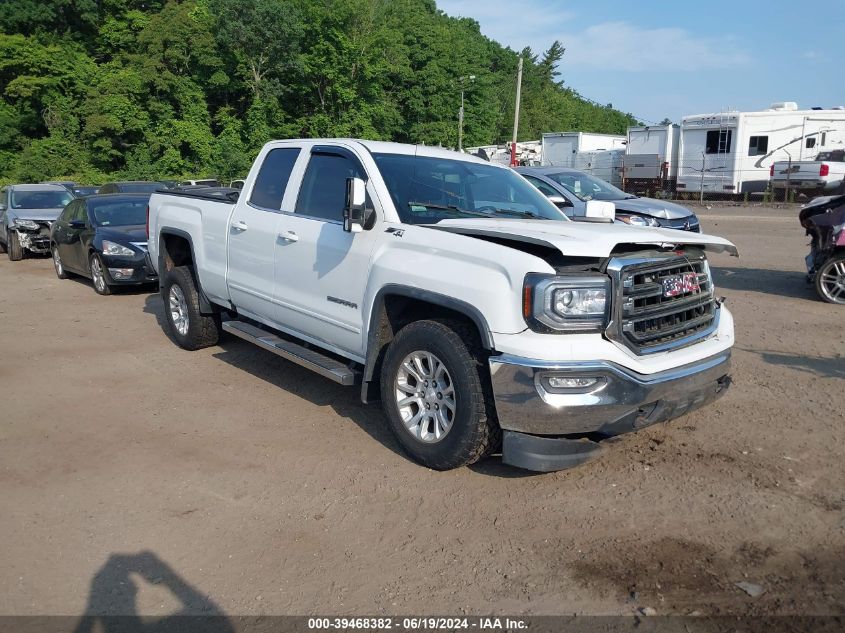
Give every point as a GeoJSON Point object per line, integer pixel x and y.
{"type": "Point", "coordinates": [824, 176]}
{"type": "Point", "coordinates": [453, 291]}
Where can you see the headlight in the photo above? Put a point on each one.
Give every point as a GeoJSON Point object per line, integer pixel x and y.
{"type": "Point", "coordinates": [30, 225]}
{"type": "Point", "coordinates": [110, 248]}
{"type": "Point", "coordinates": [637, 220]}
{"type": "Point", "coordinates": [566, 304]}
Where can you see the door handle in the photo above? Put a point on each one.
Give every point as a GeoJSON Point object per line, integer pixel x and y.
{"type": "Point", "coordinates": [288, 236]}
{"type": "Point", "coordinates": [240, 225]}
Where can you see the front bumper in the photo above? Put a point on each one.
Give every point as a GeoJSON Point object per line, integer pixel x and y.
{"type": "Point", "coordinates": [620, 400]}
{"type": "Point", "coordinates": [545, 431]}
{"type": "Point", "coordinates": [129, 270]}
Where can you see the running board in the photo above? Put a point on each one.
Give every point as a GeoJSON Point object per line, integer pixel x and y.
{"type": "Point", "coordinates": [308, 358]}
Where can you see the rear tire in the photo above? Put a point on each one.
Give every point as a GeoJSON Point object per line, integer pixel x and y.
{"type": "Point", "coordinates": [3, 245]}
{"type": "Point", "coordinates": [426, 365]}
{"type": "Point", "coordinates": [14, 247]}
{"type": "Point", "coordinates": [186, 325]}
{"type": "Point", "coordinates": [830, 280]}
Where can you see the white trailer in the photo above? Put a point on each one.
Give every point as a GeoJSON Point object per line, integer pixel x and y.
{"type": "Point", "coordinates": [560, 148]}
{"type": "Point", "coordinates": [651, 158]}
{"type": "Point", "coordinates": [732, 152]}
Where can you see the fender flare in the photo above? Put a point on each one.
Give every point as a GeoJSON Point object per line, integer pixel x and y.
{"type": "Point", "coordinates": [206, 307]}
{"type": "Point", "coordinates": [428, 296]}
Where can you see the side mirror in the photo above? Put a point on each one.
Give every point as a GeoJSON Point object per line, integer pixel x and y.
{"type": "Point", "coordinates": [355, 207]}
{"type": "Point", "coordinates": [559, 201]}
{"type": "Point", "coordinates": [600, 211]}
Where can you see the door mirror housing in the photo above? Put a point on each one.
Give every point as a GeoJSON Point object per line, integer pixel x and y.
{"type": "Point", "coordinates": [559, 201]}
{"type": "Point", "coordinates": [355, 208]}
{"type": "Point", "coordinates": [599, 211]}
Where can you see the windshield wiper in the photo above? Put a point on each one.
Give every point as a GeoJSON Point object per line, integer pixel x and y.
{"type": "Point", "coordinates": [516, 212]}
{"type": "Point", "coordinates": [448, 207]}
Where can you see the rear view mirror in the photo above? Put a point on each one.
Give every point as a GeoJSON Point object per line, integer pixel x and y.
{"type": "Point", "coordinates": [354, 210]}
{"type": "Point", "coordinates": [600, 211]}
{"type": "Point", "coordinates": [559, 201]}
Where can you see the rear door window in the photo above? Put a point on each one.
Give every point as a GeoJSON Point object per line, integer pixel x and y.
{"type": "Point", "coordinates": [269, 189]}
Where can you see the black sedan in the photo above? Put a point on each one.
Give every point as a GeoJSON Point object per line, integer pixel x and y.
{"type": "Point", "coordinates": [103, 237]}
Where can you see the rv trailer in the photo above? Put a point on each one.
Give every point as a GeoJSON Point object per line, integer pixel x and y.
{"type": "Point", "coordinates": [732, 152]}
{"type": "Point", "coordinates": [597, 154]}
{"type": "Point", "coordinates": [651, 159]}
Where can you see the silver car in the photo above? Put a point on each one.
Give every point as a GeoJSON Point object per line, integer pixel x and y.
{"type": "Point", "coordinates": [570, 190]}
{"type": "Point", "coordinates": [26, 214]}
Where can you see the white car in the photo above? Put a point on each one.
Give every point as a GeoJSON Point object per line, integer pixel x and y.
{"type": "Point", "coordinates": [453, 291]}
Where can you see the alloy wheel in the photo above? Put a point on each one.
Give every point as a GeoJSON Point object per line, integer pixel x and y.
{"type": "Point", "coordinates": [832, 281]}
{"type": "Point", "coordinates": [178, 309]}
{"type": "Point", "coordinates": [425, 396]}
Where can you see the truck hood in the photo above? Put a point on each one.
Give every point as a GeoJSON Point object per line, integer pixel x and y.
{"type": "Point", "coordinates": [655, 208]}
{"type": "Point", "coordinates": [48, 215]}
{"type": "Point", "coordinates": [580, 239]}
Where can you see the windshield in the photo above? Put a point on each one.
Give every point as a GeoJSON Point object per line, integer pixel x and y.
{"type": "Point", "coordinates": [47, 199]}
{"type": "Point", "coordinates": [836, 156]}
{"type": "Point", "coordinates": [121, 212]}
{"type": "Point", "coordinates": [587, 187]}
{"type": "Point", "coordinates": [426, 190]}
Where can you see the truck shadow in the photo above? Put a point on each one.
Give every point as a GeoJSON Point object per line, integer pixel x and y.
{"type": "Point", "coordinates": [784, 283]}
{"type": "Point", "coordinates": [290, 377]}
{"type": "Point", "coordinates": [818, 366]}
{"type": "Point", "coordinates": [345, 401]}
{"type": "Point", "coordinates": [112, 600]}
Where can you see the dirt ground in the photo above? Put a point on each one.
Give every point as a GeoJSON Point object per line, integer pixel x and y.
{"type": "Point", "coordinates": [137, 477]}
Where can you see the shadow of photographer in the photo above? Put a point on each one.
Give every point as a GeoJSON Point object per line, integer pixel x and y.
{"type": "Point", "coordinates": [112, 601]}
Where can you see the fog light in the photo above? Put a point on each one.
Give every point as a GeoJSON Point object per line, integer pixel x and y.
{"type": "Point", "coordinates": [121, 273]}
{"type": "Point", "coordinates": [562, 382]}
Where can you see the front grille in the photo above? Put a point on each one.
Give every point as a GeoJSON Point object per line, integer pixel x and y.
{"type": "Point", "coordinates": [660, 307]}
{"type": "Point", "coordinates": [682, 224]}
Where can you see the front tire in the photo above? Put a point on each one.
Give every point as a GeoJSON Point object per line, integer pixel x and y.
{"type": "Point", "coordinates": [190, 328]}
{"type": "Point", "coordinates": [14, 247]}
{"type": "Point", "coordinates": [830, 280]}
{"type": "Point", "coordinates": [98, 275]}
{"type": "Point", "coordinates": [57, 264]}
{"type": "Point", "coordinates": [436, 394]}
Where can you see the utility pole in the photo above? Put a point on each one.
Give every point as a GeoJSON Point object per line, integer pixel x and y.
{"type": "Point", "coordinates": [788, 177]}
{"type": "Point", "coordinates": [516, 112]}
{"type": "Point", "coordinates": [461, 113]}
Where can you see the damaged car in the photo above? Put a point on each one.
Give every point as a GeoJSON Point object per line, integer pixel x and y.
{"type": "Point", "coordinates": [26, 214]}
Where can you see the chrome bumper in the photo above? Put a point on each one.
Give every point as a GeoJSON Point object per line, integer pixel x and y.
{"type": "Point", "coordinates": [619, 401]}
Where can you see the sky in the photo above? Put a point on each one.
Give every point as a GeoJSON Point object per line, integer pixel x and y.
{"type": "Point", "coordinates": [659, 59]}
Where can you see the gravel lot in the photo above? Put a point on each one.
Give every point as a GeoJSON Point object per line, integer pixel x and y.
{"type": "Point", "coordinates": [137, 477]}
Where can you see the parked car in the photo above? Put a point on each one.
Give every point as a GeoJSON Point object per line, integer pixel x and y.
{"type": "Point", "coordinates": [26, 213]}
{"type": "Point", "coordinates": [453, 291]}
{"type": "Point", "coordinates": [67, 184]}
{"type": "Point", "coordinates": [85, 190]}
{"type": "Point", "coordinates": [570, 190]}
{"type": "Point", "coordinates": [132, 186]}
{"type": "Point", "coordinates": [823, 176]}
{"type": "Point", "coordinates": [208, 182]}
{"type": "Point", "coordinates": [824, 221]}
{"type": "Point", "coordinates": [104, 238]}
